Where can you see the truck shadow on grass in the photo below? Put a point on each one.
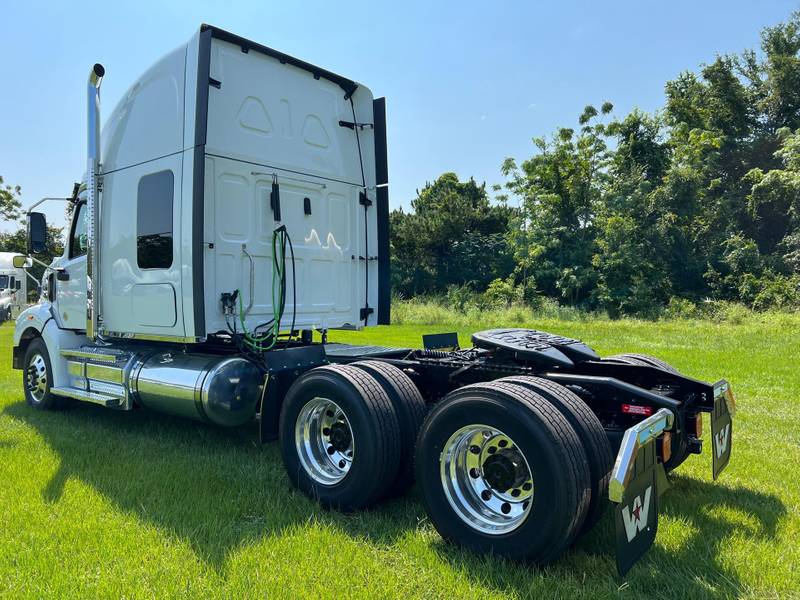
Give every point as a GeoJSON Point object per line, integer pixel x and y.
{"type": "Point", "coordinates": [219, 489]}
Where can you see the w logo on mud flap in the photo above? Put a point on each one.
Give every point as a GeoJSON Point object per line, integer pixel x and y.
{"type": "Point", "coordinates": [721, 440]}
{"type": "Point", "coordinates": [635, 516]}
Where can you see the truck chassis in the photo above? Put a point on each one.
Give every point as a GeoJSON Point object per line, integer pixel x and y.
{"type": "Point", "coordinates": [512, 441]}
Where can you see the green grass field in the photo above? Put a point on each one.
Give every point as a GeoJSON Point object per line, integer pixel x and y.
{"type": "Point", "coordinates": [96, 503]}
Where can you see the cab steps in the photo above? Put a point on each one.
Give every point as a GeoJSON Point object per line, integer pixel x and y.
{"type": "Point", "coordinates": [89, 396]}
{"type": "Point", "coordinates": [98, 375]}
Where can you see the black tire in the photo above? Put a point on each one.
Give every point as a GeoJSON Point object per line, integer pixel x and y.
{"type": "Point", "coordinates": [644, 360]}
{"type": "Point", "coordinates": [597, 448]}
{"type": "Point", "coordinates": [373, 428]}
{"type": "Point", "coordinates": [410, 408]}
{"type": "Point", "coordinates": [37, 384]}
{"type": "Point", "coordinates": [553, 453]}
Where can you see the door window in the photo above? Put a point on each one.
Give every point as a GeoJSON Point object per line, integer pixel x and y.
{"type": "Point", "coordinates": [79, 238]}
{"type": "Point", "coordinates": [154, 220]}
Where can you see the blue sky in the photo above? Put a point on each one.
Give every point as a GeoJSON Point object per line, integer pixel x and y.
{"type": "Point", "coordinates": [467, 83]}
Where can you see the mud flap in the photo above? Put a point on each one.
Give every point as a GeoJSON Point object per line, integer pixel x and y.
{"type": "Point", "coordinates": [722, 426]}
{"type": "Point", "coordinates": [636, 516]}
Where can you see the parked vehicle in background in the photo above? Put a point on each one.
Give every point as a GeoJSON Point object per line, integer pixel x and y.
{"type": "Point", "coordinates": [13, 287]}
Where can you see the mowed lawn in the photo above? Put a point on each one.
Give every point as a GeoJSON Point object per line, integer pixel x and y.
{"type": "Point", "coordinates": [96, 503]}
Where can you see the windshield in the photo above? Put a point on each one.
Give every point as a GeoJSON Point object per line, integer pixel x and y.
{"type": "Point", "coordinates": [3, 282]}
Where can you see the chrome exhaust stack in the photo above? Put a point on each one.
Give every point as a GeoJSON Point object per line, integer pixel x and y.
{"type": "Point", "coordinates": [92, 203]}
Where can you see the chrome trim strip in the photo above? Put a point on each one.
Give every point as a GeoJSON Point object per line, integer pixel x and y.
{"type": "Point", "coordinates": [635, 438]}
{"type": "Point", "coordinates": [96, 356]}
{"type": "Point", "coordinates": [75, 368]}
{"type": "Point", "coordinates": [105, 373]}
{"type": "Point", "coordinates": [153, 337]}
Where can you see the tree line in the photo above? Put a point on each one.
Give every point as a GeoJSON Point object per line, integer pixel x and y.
{"type": "Point", "coordinates": [625, 214]}
{"type": "Point", "coordinates": [628, 214]}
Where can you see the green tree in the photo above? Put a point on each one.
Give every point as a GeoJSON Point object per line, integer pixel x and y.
{"type": "Point", "coordinates": [453, 236]}
{"type": "Point", "coordinates": [9, 201]}
{"type": "Point", "coordinates": [559, 187]}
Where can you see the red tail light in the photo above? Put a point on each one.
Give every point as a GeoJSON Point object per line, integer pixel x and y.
{"type": "Point", "coordinates": [635, 409]}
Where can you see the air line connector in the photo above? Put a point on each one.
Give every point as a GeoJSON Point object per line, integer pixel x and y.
{"type": "Point", "coordinates": [228, 301]}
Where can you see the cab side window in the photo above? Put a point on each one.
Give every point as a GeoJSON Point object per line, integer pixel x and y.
{"type": "Point", "coordinates": [78, 239]}
{"type": "Point", "coordinates": [154, 220]}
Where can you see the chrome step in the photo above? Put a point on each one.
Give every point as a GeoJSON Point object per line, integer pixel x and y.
{"type": "Point", "coordinates": [86, 396]}
{"type": "Point", "coordinates": [97, 353]}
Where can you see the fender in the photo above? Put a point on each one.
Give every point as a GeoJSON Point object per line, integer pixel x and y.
{"type": "Point", "coordinates": [37, 321]}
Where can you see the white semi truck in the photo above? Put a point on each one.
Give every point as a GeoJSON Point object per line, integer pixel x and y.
{"type": "Point", "coordinates": [237, 203]}
{"type": "Point", "coordinates": [13, 287]}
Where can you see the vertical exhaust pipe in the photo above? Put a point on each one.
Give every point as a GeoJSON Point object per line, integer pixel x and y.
{"type": "Point", "coordinates": [92, 201]}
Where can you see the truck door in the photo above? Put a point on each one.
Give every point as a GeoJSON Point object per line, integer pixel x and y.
{"type": "Point", "coordinates": [71, 279]}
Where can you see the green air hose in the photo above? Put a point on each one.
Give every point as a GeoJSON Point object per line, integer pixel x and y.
{"type": "Point", "coordinates": [266, 341]}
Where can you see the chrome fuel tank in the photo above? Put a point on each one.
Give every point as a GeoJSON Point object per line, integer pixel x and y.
{"type": "Point", "coordinates": [221, 390]}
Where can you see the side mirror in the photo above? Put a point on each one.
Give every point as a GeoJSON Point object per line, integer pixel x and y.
{"type": "Point", "coordinates": [37, 233]}
{"type": "Point", "coordinates": [21, 262]}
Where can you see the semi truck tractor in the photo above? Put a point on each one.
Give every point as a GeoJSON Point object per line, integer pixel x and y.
{"type": "Point", "coordinates": [234, 210]}
{"type": "Point", "coordinates": [13, 286]}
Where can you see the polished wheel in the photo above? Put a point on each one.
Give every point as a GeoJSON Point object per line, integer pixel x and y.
{"type": "Point", "coordinates": [36, 377]}
{"type": "Point", "coordinates": [324, 441]}
{"type": "Point", "coordinates": [486, 479]}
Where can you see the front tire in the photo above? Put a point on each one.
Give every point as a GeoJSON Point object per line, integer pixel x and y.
{"type": "Point", "coordinates": [501, 471]}
{"type": "Point", "coordinates": [37, 377]}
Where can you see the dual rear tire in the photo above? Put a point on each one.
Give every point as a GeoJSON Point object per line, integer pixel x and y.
{"type": "Point", "coordinates": [517, 467]}
{"type": "Point", "coordinates": [347, 433]}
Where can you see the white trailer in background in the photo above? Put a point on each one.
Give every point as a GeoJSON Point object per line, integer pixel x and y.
{"type": "Point", "coordinates": [13, 287]}
{"type": "Point", "coordinates": [235, 206]}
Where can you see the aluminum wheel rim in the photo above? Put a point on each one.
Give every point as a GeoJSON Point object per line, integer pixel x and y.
{"type": "Point", "coordinates": [36, 377]}
{"type": "Point", "coordinates": [324, 441]}
{"type": "Point", "coordinates": [475, 483]}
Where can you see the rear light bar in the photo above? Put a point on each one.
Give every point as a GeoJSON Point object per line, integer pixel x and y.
{"type": "Point", "coordinates": [636, 409]}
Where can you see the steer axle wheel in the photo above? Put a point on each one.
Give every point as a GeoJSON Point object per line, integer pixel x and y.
{"type": "Point", "coordinates": [38, 377]}
{"type": "Point", "coordinates": [502, 471]}
{"type": "Point", "coordinates": [340, 437]}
